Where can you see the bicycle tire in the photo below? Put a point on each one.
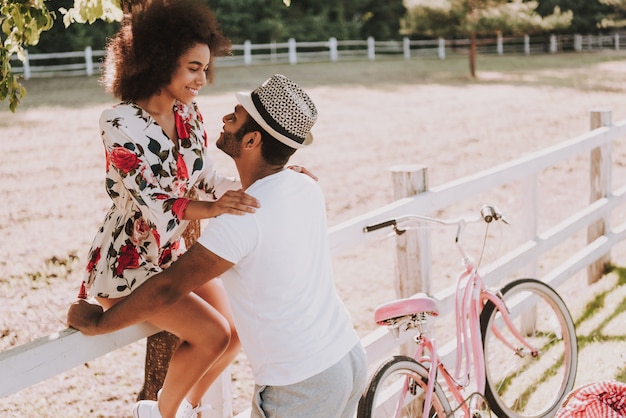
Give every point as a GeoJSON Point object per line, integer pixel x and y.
{"type": "Point", "coordinates": [377, 400]}
{"type": "Point", "coordinates": [529, 387]}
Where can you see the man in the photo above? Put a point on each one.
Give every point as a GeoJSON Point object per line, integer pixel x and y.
{"type": "Point", "coordinates": [275, 264]}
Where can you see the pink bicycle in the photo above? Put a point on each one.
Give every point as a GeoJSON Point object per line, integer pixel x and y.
{"type": "Point", "coordinates": [519, 343]}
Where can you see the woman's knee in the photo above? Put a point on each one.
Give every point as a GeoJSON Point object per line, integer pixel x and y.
{"type": "Point", "coordinates": [217, 336]}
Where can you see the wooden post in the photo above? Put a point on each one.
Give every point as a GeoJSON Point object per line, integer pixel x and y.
{"type": "Point", "coordinates": [578, 43]}
{"type": "Point", "coordinates": [88, 61]}
{"type": "Point", "coordinates": [293, 53]}
{"type": "Point", "coordinates": [600, 187]}
{"type": "Point", "coordinates": [526, 44]}
{"type": "Point", "coordinates": [26, 65]}
{"type": "Point", "coordinates": [412, 247]}
{"type": "Point", "coordinates": [371, 49]}
{"type": "Point", "coordinates": [332, 48]}
{"type": "Point", "coordinates": [406, 48]}
{"type": "Point", "coordinates": [247, 52]}
{"type": "Point", "coordinates": [441, 49]}
{"type": "Point", "coordinates": [530, 210]}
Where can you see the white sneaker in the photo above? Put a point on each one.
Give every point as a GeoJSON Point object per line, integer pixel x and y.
{"type": "Point", "coordinates": [146, 409]}
{"type": "Point", "coordinates": [186, 409]}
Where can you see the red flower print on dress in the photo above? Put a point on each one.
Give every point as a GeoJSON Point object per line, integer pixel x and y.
{"type": "Point", "coordinates": [157, 237]}
{"type": "Point", "coordinates": [94, 257]}
{"type": "Point", "coordinates": [107, 158]}
{"type": "Point", "coordinates": [181, 168]}
{"type": "Point", "coordinates": [124, 159]}
{"type": "Point", "coordinates": [182, 128]}
{"type": "Point", "coordinates": [179, 207]}
{"type": "Point", "coordinates": [166, 256]}
{"type": "Point", "coordinates": [148, 175]}
{"type": "Point", "coordinates": [141, 231]}
{"type": "Point", "coordinates": [128, 258]}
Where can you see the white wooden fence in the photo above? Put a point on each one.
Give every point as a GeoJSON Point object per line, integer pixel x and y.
{"type": "Point", "coordinates": [88, 62]}
{"type": "Point", "coordinates": [41, 359]}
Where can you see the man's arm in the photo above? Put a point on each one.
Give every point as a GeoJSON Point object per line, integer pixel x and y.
{"type": "Point", "coordinates": [194, 268]}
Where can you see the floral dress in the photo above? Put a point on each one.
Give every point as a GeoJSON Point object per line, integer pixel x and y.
{"type": "Point", "coordinates": [148, 178]}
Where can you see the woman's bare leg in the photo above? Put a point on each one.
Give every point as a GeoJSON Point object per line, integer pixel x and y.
{"type": "Point", "coordinates": [205, 336]}
{"type": "Point", "coordinates": [213, 292]}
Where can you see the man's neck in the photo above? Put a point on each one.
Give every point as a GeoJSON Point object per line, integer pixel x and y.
{"type": "Point", "coordinates": [248, 175]}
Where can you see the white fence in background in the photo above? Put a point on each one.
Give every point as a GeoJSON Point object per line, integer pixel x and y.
{"type": "Point", "coordinates": [88, 62]}
{"type": "Point", "coordinates": [39, 360]}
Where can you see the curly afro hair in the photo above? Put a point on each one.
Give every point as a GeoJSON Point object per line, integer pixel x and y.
{"type": "Point", "coordinates": [143, 55]}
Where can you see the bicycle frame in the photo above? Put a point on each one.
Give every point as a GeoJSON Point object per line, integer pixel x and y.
{"type": "Point", "coordinates": [470, 297]}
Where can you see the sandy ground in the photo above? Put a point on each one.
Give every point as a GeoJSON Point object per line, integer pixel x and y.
{"type": "Point", "coordinates": [52, 200]}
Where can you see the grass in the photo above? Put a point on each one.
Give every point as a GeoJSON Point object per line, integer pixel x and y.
{"type": "Point", "coordinates": [534, 70]}
{"type": "Point", "coordinates": [594, 307]}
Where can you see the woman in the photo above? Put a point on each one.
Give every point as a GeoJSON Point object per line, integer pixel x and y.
{"type": "Point", "coordinates": [155, 147]}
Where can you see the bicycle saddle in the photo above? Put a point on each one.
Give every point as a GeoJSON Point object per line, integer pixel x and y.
{"type": "Point", "coordinates": [418, 303]}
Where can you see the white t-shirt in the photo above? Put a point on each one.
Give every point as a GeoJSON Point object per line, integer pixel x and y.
{"type": "Point", "coordinates": [289, 317]}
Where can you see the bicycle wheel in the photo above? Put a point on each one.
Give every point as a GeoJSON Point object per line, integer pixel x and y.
{"type": "Point", "coordinates": [383, 397]}
{"type": "Point", "coordinates": [523, 386]}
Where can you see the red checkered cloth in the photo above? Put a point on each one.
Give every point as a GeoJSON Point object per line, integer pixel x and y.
{"type": "Point", "coordinates": [602, 399]}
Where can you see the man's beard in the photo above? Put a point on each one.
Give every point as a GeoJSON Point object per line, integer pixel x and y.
{"type": "Point", "coordinates": [230, 143]}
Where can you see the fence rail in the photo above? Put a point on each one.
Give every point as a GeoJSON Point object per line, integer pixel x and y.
{"type": "Point", "coordinates": [38, 360]}
{"type": "Point", "coordinates": [88, 62]}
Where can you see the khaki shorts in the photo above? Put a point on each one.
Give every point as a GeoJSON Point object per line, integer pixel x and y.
{"type": "Point", "coordinates": [333, 393]}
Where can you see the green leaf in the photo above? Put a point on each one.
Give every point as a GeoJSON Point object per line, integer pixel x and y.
{"type": "Point", "coordinates": [154, 146]}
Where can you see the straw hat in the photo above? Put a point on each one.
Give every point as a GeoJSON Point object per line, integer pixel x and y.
{"type": "Point", "coordinates": [283, 109]}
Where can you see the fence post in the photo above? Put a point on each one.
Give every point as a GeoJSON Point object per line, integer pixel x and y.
{"type": "Point", "coordinates": [578, 43]}
{"type": "Point", "coordinates": [616, 36]}
{"type": "Point", "coordinates": [412, 247]}
{"type": "Point", "coordinates": [442, 49]}
{"type": "Point", "coordinates": [332, 46]}
{"type": "Point", "coordinates": [530, 209]}
{"type": "Point", "coordinates": [247, 52]}
{"type": "Point", "coordinates": [499, 46]}
{"type": "Point", "coordinates": [600, 187]}
{"type": "Point", "coordinates": [219, 396]}
{"type": "Point", "coordinates": [26, 65]}
{"type": "Point", "coordinates": [552, 44]}
{"type": "Point", "coordinates": [406, 47]}
{"type": "Point", "coordinates": [293, 54]}
{"type": "Point", "coordinates": [274, 53]}
{"type": "Point", "coordinates": [526, 44]}
{"type": "Point", "coordinates": [371, 53]}
{"type": "Point", "coordinates": [88, 61]}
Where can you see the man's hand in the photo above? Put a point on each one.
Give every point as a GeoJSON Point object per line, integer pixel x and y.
{"type": "Point", "coordinates": [84, 316]}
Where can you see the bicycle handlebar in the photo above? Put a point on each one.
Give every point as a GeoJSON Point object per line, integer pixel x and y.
{"type": "Point", "coordinates": [488, 213]}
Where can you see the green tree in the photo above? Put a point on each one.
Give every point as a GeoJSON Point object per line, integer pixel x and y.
{"type": "Point", "coordinates": [381, 19]}
{"type": "Point", "coordinates": [616, 18]}
{"type": "Point", "coordinates": [588, 15]}
{"type": "Point", "coordinates": [474, 18]}
{"type": "Point", "coordinates": [74, 37]}
{"type": "Point", "coordinates": [21, 23]}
